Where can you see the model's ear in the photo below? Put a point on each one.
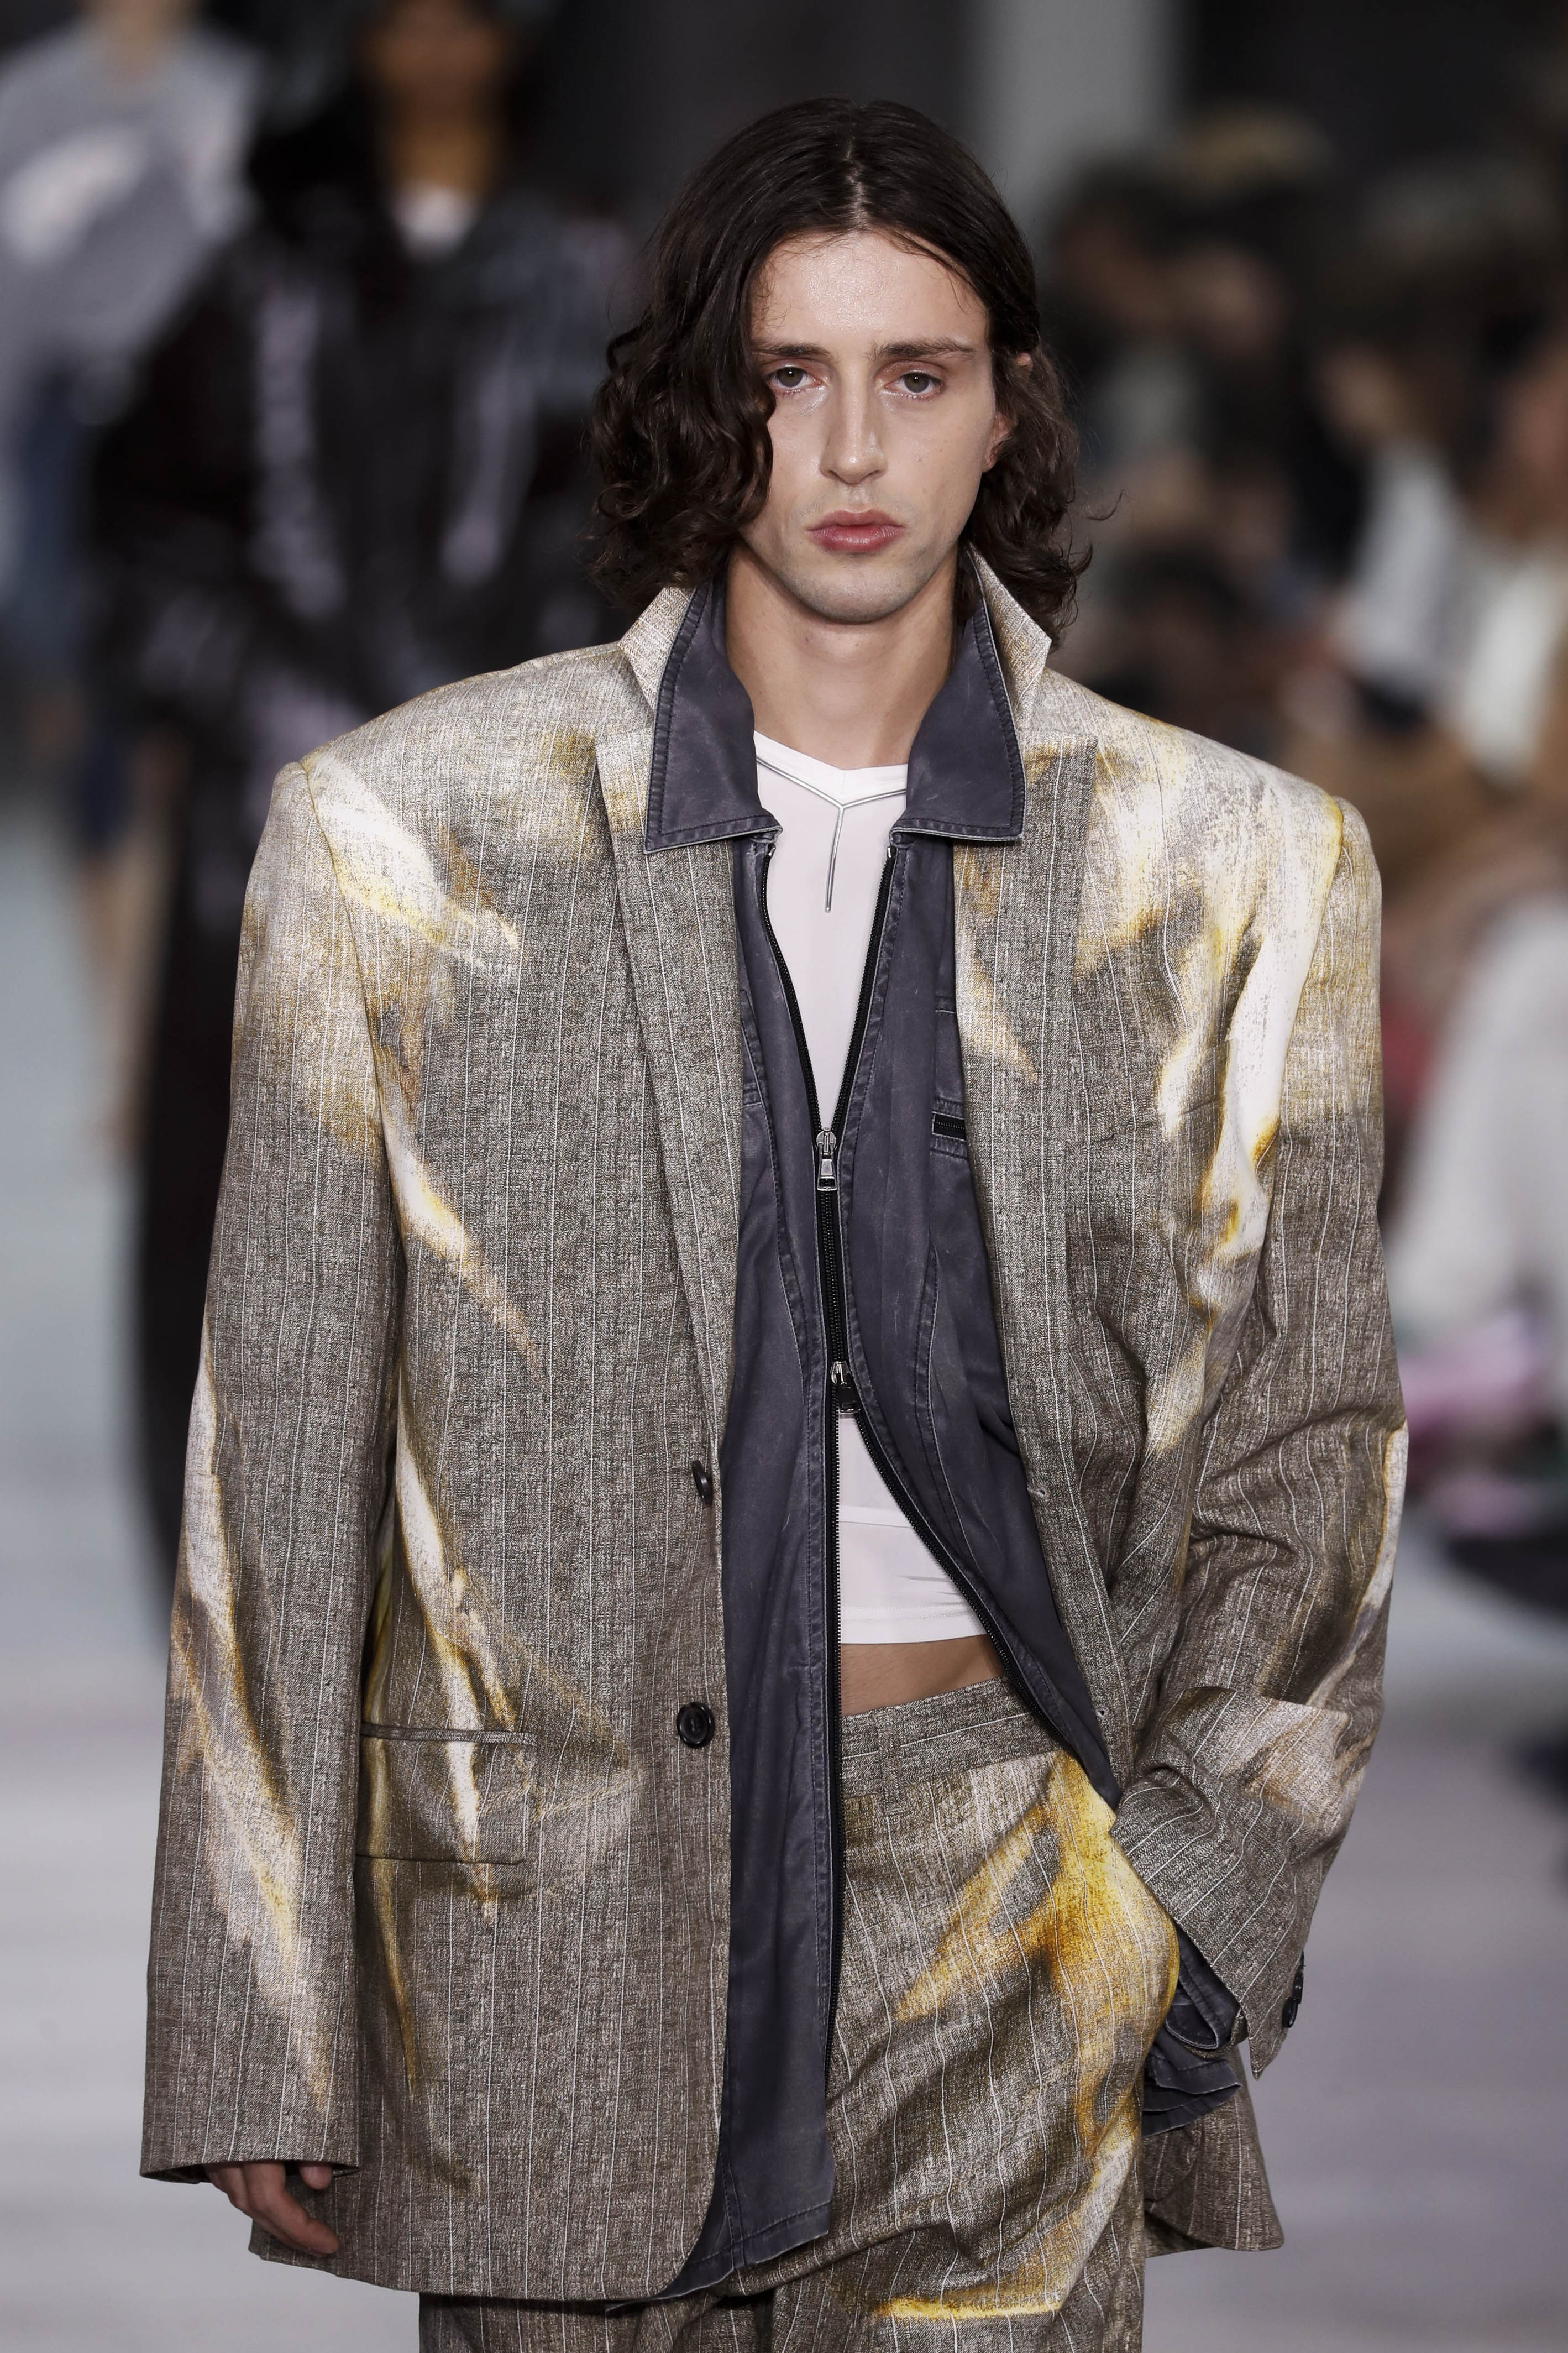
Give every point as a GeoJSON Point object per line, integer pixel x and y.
{"type": "Point", "coordinates": [1002, 426]}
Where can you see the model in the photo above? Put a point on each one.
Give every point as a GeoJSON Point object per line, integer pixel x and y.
{"type": "Point", "coordinates": [793, 1483]}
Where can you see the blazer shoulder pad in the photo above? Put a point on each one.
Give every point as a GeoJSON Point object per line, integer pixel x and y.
{"type": "Point", "coordinates": [524, 732]}
{"type": "Point", "coordinates": [1216, 808]}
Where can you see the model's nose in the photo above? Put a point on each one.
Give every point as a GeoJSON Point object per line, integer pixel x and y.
{"type": "Point", "coordinates": [854, 451]}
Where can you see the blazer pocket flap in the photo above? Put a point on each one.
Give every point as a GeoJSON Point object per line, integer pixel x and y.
{"type": "Point", "coordinates": [446, 1796]}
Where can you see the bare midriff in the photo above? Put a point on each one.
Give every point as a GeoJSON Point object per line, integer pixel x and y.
{"type": "Point", "coordinates": [886, 1674]}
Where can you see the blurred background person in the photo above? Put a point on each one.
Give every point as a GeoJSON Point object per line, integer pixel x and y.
{"type": "Point", "coordinates": [355, 472]}
{"type": "Point", "coordinates": [1477, 1250]}
{"type": "Point", "coordinates": [1475, 1006]}
{"type": "Point", "coordinates": [1219, 503]}
{"type": "Point", "coordinates": [1109, 304]}
{"type": "Point", "coordinates": [1252, 185]}
{"type": "Point", "coordinates": [122, 140]}
{"type": "Point", "coordinates": [1397, 623]}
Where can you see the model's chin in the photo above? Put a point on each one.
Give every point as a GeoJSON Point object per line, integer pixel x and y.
{"type": "Point", "coordinates": [858, 589]}
{"type": "Point", "coordinates": [850, 587]}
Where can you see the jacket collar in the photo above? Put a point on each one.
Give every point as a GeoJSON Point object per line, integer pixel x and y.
{"type": "Point", "coordinates": [966, 773]}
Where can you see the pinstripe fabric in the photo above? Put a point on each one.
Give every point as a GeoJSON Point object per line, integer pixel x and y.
{"type": "Point", "coordinates": [445, 1216]}
{"type": "Point", "coordinates": [983, 2115]}
{"type": "Point", "coordinates": [1178, 1155]}
{"type": "Point", "coordinates": [470, 1324]}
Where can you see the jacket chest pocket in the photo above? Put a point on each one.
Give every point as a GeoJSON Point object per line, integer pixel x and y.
{"type": "Point", "coordinates": [947, 1129]}
{"type": "Point", "coordinates": [447, 1797]}
{"type": "Point", "coordinates": [947, 1063]}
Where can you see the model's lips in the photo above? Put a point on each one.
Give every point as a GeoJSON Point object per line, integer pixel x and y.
{"type": "Point", "coordinates": [857, 532]}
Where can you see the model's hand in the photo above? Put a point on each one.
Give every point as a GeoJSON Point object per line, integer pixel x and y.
{"type": "Point", "coordinates": [261, 2191]}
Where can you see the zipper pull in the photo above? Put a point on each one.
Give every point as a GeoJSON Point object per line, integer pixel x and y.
{"type": "Point", "coordinates": [842, 1382]}
{"type": "Point", "coordinates": [826, 1161]}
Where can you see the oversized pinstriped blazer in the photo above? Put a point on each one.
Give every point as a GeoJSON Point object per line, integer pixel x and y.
{"type": "Point", "coordinates": [441, 1898]}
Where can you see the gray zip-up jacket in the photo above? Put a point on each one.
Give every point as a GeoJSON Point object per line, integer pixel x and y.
{"type": "Point", "coordinates": [863, 1286]}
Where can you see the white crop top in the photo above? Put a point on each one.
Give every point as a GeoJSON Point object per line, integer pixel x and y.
{"type": "Point", "coordinates": [822, 898]}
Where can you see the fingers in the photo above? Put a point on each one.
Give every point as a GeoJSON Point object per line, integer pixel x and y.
{"type": "Point", "coordinates": [278, 2211]}
{"type": "Point", "coordinates": [261, 2191]}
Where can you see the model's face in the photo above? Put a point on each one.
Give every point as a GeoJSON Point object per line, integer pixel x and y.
{"type": "Point", "coordinates": [436, 60]}
{"type": "Point", "coordinates": [885, 418]}
{"type": "Point", "coordinates": [145, 20]}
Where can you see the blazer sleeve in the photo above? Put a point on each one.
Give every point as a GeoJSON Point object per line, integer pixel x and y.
{"type": "Point", "coordinates": [1248, 1768]}
{"type": "Point", "coordinates": [251, 2034]}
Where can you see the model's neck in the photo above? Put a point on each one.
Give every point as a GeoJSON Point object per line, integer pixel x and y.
{"type": "Point", "coordinates": [466, 154]}
{"type": "Point", "coordinates": [850, 692]}
{"type": "Point", "coordinates": [134, 47]}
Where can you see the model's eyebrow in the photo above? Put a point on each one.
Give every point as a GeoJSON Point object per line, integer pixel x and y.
{"type": "Point", "coordinates": [939, 347]}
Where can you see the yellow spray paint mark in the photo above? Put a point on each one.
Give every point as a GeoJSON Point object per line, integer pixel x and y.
{"type": "Point", "coordinates": [251, 1829]}
{"type": "Point", "coordinates": [430, 1219]}
{"type": "Point", "coordinates": [386, 871]}
{"type": "Point", "coordinates": [1111, 1956]}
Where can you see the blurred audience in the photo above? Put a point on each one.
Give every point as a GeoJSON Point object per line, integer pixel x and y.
{"type": "Point", "coordinates": [121, 142]}
{"type": "Point", "coordinates": [355, 472]}
{"type": "Point", "coordinates": [1397, 624]}
{"type": "Point", "coordinates": [1326, 477]}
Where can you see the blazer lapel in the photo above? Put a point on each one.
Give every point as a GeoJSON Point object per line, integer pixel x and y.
{"type": "Point", "coordinates": [679, 919]}
{"type": "Point", "coordinates": [1015, 913]}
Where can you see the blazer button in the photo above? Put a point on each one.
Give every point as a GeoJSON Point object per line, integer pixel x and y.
{"type": "Point", "coordinates": [1291, 2010]}
{"type": "Point", "coordinates": [702, 1480]}
{"type": "Point", "coordinates": [695, 1724]}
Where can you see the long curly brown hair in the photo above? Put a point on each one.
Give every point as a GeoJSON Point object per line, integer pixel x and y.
{"type": "Point", "coordinates": [679, 429]}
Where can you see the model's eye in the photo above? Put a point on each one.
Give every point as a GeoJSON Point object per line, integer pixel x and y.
{"type": "Point", "coordinates": [788, 379]}
{"type": "Point", "coordinates": [918, 380]}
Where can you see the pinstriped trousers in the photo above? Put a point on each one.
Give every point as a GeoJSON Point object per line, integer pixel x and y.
{"type": "Point", "coordinates": [1005, 1972]}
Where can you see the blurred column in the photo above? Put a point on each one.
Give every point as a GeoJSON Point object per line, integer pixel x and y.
{"type": "Point", "coordinates": [640, 94]}
{"type": "Point", "coordinates": [1396, 81]}
{"type": "Point", "coordinates": [1054, 82]}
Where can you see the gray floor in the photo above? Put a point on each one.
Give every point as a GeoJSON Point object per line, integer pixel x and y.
{"type": "Point", "coordinates": [1417, 2124]}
